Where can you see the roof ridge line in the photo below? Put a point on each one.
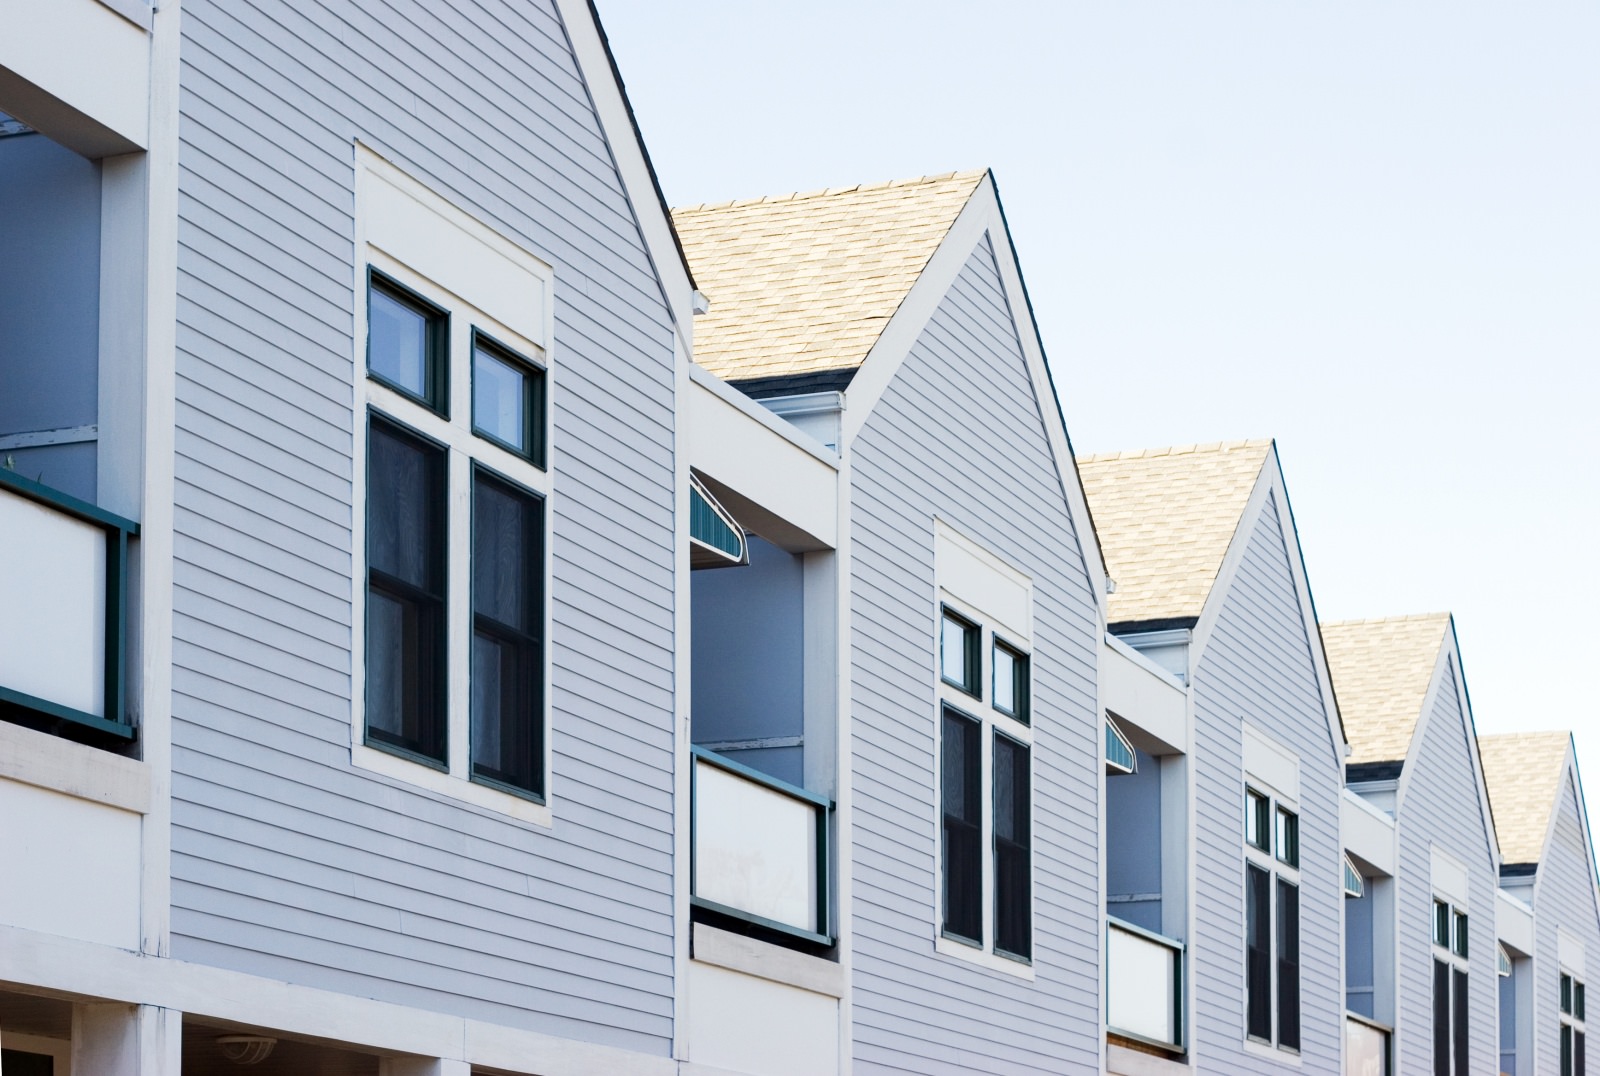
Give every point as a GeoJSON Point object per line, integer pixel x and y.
{"type": "Point", "coordinates": [1209, 447]}
{"type": "Point", "coordinates": [827, 192]}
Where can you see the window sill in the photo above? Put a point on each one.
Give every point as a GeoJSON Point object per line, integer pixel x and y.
{"type": "Point", "coordinates": [1277, 1054]}
{"type": "Point", "coordinates": [1004, 964]}
{"type": "Point", "coordinates": [74, 769]}
{"type": "Point", "coordinates": [457, 788]}
{"type": "Point", "coordinates": [748, 956]}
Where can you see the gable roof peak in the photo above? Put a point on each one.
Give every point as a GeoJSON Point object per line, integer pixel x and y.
{"type": "Point", "coordinates": [801, 285]}
{"type": "Point", "coordinates": [1165, 518]}
{"type": "Point", "coordinates": [1381, 670]}
{"type": "Point", "coordinates": [1524, 773]}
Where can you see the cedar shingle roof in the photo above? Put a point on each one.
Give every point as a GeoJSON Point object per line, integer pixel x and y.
{"type": "Point", "coordinates": [1165, 517]}
{"type": "Point", "coordinates": [1381, 670]}
{"type": "Point", "coordinates": [804, 283]}
{"type": "Point", "coordinates": [1524, 772]}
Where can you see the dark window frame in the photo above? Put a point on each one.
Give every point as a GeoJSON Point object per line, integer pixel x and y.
{"type": "Point", "coordinates": [970, 829]}
{"type": "Point", "coordinates": [436, 693]}
{"type": "Point", "coordinates": [436, 397]}
{"type": "Point", "coordinates": [537, 688]}
{"type": "Point", "coordinates": [534, 406]}
{"type": "Point", "coordinates": [1021, 702]}
{"type": "Point", "coordinates": [972, 652]}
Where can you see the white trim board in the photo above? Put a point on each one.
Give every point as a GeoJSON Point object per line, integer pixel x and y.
{"type": "Point", "coordinates": [47, 964]}
{"type": "Point", "coordinates": [606, 94]}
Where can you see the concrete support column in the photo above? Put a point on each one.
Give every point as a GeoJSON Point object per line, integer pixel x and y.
{"type": "Point", "coordinates": [422, 1066]}
{"type": "Point", "coordinates": [126, 1040]}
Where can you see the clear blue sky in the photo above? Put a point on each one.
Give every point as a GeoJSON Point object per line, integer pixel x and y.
{"type": "Point", "coordinates": [1370, 230]}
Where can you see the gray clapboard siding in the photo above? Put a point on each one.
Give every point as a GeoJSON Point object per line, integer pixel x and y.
{"type": "Point", "coordinates": [287, 862]}
{"type": "Point", "coordinates": [958, 434]}
{"type": "Point", "coordinates": [1441, 809]}
{"type": "Point", "coordinates": [1564, 899]}
{"type": "Point", "coordinates": [1258, 667]}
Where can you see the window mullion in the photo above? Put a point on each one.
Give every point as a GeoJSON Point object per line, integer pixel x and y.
{"type": "Point", "coordinates": [459, 612]}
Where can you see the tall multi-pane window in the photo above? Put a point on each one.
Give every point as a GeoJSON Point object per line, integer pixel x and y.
{"type": "Point", "coordinates": [454, 670]}
{"type": "Point", "coordinates": [1451, 995]}
{"type": "Point", "coordinates": [1272, 920]}
{"type": "Point", "coordinates": [985, 691]}
{"type": "Point", "coordinates": [1573, 1054]}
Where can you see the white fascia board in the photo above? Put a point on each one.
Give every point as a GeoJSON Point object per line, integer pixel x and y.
{"type": "Point", "coordinates": [78, 71]}
{"type": "Point", "coordinates": [61, 966]}
{"type": "Point", "coordinates": [759, 468]}
{"type": "Point", "coordinates": [1368, 833]}
{"type": "Point", "coordinates": [610, 101]}
{"type": "Point", "coordinates": [1144, 697]}
{"type": "Point", "coordinates": [1513, 923]}
{"type": "Point", "coordinates": [981, 216]}
{"type": "Point", "coordinates": [1270, 483]}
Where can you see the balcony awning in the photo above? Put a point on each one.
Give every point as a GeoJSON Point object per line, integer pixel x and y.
{"type": "Point", "coordinates": [715, 538]}
{"type": "Point", "coordinates": [1119, 752]}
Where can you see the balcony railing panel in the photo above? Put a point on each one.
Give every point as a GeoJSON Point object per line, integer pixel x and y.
{"type": "Point", "coordinates": [1144, 985]}
{"type": "Point", "coordinates": [1366, 1051]}
{"type": "Point", "coordinates": [760, 848]}
{"type": "Point", "coordinates": [63, 593]}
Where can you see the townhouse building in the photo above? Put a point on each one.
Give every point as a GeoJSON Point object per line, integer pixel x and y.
{"type": "Point", "coordinates": [1549, 920]}
{"type": "Point", "coordinates": [1421, 962]}
{"type": "Point", "coordinates": [1226, 845]}
{"type": "Point", "coordinates": [459, 616]}
{"type": "Point", "coordinates": [890, 320]}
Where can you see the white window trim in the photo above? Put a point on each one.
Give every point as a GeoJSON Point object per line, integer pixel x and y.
{"type": "Point", "coordinates": [990, 722]}
{"type": "Point", "coordinates": [1447, 954]}
{"type": "Point", "coordinates": [463, 448]}
{"type": "Point", "coordinates": [1276, 868]}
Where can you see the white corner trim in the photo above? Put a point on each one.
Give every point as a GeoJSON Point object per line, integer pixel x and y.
{"type": "Point", "coordinates": [611, 106]}
{"type": "Point", "coordinates": [45, 761]}
{"type": "Point", "coordinates": [767, 961]}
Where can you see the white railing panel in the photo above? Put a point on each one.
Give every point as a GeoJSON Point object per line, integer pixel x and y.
{"type": "Point", "coordinates": [755, 848]}
{"type": "Point", "coordinates": [1366, 1051]}
{"type": "Point", "coordinates": [1141, 986]}
{"type": "Point", "coordinates": [52, 605]}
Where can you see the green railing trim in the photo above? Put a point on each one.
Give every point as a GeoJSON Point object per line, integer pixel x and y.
{"type": "Point", "coordinates": [66, 502]}
{"type": "Point", "coordinates": [46, 708]}
{"type": "Point", "coordinates": [712, 526]}
{"type": "Point", "coordinates": [723, 762]}
{"type": "Point", "coordinates": [118, 530]}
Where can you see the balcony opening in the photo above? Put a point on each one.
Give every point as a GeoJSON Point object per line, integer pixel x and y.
{"type": "Point", "coordinates": [69, 373]}
{"type": "Point", "coordinates": [50, 200]}
{"type": "Point", "coordinates": [761, 722]}
{"type": "Point", "coordinates": [1146, 880]}
{"type": "Point", "coordinates": [1368, 967]}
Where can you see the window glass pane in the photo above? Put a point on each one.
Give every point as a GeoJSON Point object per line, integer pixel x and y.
{"type": "Point", "coordinates": [1258, 952]}
{"type": "Point", "coordinates": [1566, 994]}
{"type": "Point", "coordinates": [1013, 910]}
{"type": "Point", "coordinates": [405, 342]}
{"type": "Point", "coordinates": [1441, 924]}
{"type": "Point", "coordinates": [1005, 679]}
{"type": "Point", "coordinates": [405, 593]}
{"type": "Point", "coordinates": [1255, 819]}
{"type": "Point", "coordinates": [405, 507]}
{"type": "Point", "coordinates": [1580, 1060]}
{"type": "Point", "coordinates": [961, 778]}
{"type": "Point", "coordinates": [958, 653]}
{"type": "Point", "coordinates": [1460, 948]}
{"type": "Point", "coordinates": [1461, 1027]}
{"type": "Point", "coordinates": [1288, 965]}
{"type": "Point", "coordinates": [500, 398]}
{"type": "Point", "coordinates": [507, 674]}
{"type": "Point", "coordinates": [1288, 837]}
{"type": "Point", "coordinates": [1577, 1000]}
